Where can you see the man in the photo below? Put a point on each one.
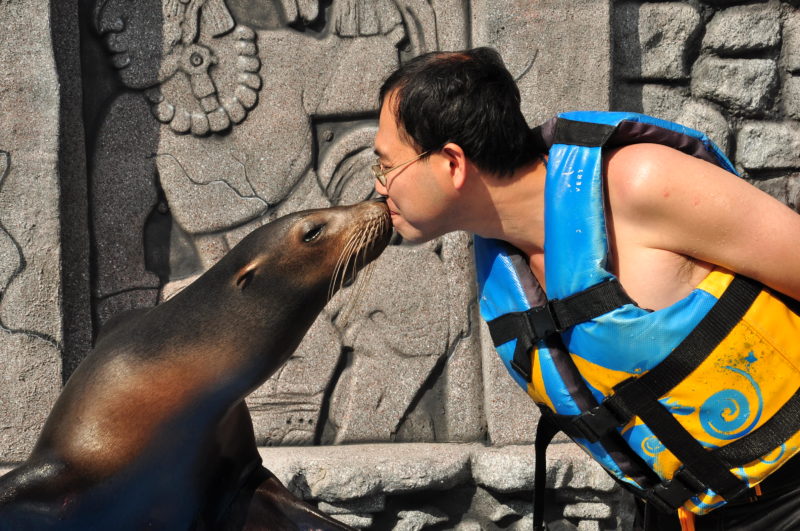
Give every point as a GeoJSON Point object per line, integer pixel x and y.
{"type": "Point", "coordinates": [455, 153]}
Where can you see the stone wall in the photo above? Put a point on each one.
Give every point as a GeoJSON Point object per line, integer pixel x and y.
{"type": "Point", "coordinates": [730, 69]}
{"type": "Point", "coordinates": [127, 169]}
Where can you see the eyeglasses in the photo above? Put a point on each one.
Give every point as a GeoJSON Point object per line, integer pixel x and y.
{"type": "Point", "coordinates": [379, 172]}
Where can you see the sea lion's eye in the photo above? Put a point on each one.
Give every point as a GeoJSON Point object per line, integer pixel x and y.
{"type": "Point", "coordinates": [313, 234]}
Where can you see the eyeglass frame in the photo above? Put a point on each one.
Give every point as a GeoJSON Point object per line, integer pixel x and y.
{"type": "Point", "coordinates": [379, 173]}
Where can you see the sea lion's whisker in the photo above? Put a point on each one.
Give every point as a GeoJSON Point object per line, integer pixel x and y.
{"type": "Point", "coordinates": [341, 266]}
{"type": "Point", "coordinates": [366, 241]}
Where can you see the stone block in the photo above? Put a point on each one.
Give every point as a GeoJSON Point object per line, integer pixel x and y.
{"type": "Point", "coordinates": [416, 520]}
{"type": "Point", "coordinates": [555, 33]}
{"type": "Point", "coordinates": [706, 118]}
{"type": "Point", "coordinates": [588, 525]}
{"type": "Point", "coordinates": [791, 97]}
{"type": "Point", "coordinates": [31, 329]}
{"type": "Point", "coordinates": [588, 511]}
{"type": "Point", "coordinates": [768, 145]}
{"type": "Point", "coordinates": [569, 467]}
{"type": "Point", "coordinates": [334, 474]}
{"type": "Point", "coordinates": [791, 41]}
{"type": "Point", "coordinates": [359, 521]}
{"type": "Point", "coordinates": [663, 101]}
{"type": "Point", "coordinates": [506, 469]}
{"type": "Point", "coordinates": [745, 85]}
{"type": "Point", "coordinates": [371, 504]}
{"type": "Point", "coordinates": [655, 40]}
{"type": "Point", "coordinates": [785, 189]}
{"type": "Point", "coordinates": [743, 29]}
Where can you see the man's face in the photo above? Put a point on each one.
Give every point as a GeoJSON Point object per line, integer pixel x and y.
{"type": "Point", "coordinates": [416, 191]}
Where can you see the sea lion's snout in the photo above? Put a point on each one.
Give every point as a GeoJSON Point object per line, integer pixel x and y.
{"type": "Point", "coordinates": [366, 229]}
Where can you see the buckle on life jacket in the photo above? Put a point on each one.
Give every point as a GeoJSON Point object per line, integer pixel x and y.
{"type": "Point", "coordinates": [527, 328]}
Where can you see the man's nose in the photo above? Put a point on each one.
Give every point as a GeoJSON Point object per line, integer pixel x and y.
{"type": "Point", "coordinates": [380, 188]}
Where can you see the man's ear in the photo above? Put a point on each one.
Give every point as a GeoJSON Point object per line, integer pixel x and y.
{"type": "Point", "coordinates": [457, 162]}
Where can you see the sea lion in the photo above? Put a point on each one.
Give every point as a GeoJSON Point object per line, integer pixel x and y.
{"type": "Point", "coordinates": [151, 431]}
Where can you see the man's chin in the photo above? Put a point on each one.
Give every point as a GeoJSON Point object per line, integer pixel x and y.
{"type": "Point", "coordinates": [407, 237]}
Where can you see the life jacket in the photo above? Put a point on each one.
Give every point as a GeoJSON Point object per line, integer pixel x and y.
{"type": "Point", "coordinates": [688, 406]}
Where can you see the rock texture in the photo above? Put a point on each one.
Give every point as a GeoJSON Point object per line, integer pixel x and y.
{"type": "Point", "coordinates": [365, 483]}
{"type": "Point", "coordinates": [744, 29]}
{"type": "Point", "coordinates": [742, 79]}
{"type": "Point", "coordinates": [655, 39]}
{"type": "Point", "coordinates": [31, 331]}
{"type": "Point", "coordinates": [741, 84]}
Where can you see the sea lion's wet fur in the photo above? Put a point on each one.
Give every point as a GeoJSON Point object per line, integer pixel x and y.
{"type": "Point", "coordinates": [151, 430]}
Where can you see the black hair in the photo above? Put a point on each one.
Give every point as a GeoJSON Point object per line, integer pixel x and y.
{"type": "Point", "coordinates": [468, 98]}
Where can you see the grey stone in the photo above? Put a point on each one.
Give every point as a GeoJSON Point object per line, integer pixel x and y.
{"type": "Point", "coordinates": [663, 101]}
{"type": "Point", "coordinates": [791, 97]}
{"type": "Point", "coordinates": [461, 397]}
{"type": "Point", "coordinates": [768, 145]}
{"type": "Point", "coordinates": [785, 189]}
{"type": "Point", "coordinates": [511, 415]}
{"type": "Point", "coordinates": [468, 525]}
{"type": "Point", "coordinates": [523, 524]}
{"type": "Point", "coordinates": [31, 341]}
{"type": "Point", "coordinates": [654, 40]}
{"type": "Point", "coordinates": [371, 504]}
{"type": "Point", "coordinates": [707, 119]}
{"type": "Point", "coordinates": [588, 525]}
{"type": "Point", "coordinates": [506, 469]}
{"type": "Point", "coordinates": [743, 29]}
{"type": "Point", "coordinates": [414, 328]}
{"type": "Point", "coordinates": [569, 467]}
{"type": "Point", "coordinates": [339, 473]}
{"type": "Point", "coordinates": [791, 41]}
{"type": "Point", "coordinates": [416, 520]}
{"type": "Point", "coordinates": [554, 34]}
{"type": "Point", "coordinates": [742, 84]}
{"type": "Point", "coordinates": [359, 521]}
{"type": "Point", "coordinates": [588, 511]}
{"type": "Point", "coordinates": [74, 200]}
{"type": "Point", "coordinates": [286, 409]}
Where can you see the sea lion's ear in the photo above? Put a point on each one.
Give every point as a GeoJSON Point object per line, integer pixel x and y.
{"type": "Point", "coordinates": [245, 275]}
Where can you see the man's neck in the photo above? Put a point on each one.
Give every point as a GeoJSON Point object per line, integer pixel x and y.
{"type": "Point", "coordinates": [513, 209]}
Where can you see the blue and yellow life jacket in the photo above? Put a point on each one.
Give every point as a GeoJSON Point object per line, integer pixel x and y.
{"type": "Point", "coordinates": [689, 405]}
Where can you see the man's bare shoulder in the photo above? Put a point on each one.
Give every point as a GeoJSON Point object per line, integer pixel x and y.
{"type": "Point", "coordinates": [667, 200]}
{"type": "Point", "coordinates": [640, 177]}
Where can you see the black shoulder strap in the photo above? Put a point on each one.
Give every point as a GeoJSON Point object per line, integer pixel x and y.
{"type": "Point", "coordinates": [587, 134]}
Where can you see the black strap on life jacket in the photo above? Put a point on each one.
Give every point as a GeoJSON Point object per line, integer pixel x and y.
{"type": "Point", "coordinates": [555, 316]}
{"type": "Point", "coordinates": [702, 469]}
{"type": "Point", "coordinates": [545, 431]}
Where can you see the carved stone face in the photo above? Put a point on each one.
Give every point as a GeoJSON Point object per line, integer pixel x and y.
{"type": "Point", "coordinates": [140, 34]}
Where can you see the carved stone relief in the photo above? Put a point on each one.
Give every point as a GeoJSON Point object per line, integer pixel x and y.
{"type": "Point", "coordinates": [229, 114]}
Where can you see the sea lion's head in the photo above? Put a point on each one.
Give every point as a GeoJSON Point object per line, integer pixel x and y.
{"type": "Point", "coordinates": [312, 253]}
{"type": "Point", "coordinates": [261, 298]}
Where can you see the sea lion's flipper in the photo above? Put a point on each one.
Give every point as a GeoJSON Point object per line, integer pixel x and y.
{"type": "Point", "coordinates": [35, 494]}
{"type": "Point", "coordinates": [273, 507]}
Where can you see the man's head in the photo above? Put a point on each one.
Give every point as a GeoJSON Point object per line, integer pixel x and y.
{"type": "Point", "coordinates": [468, 98]}
{"type": "Point", "coordinates": [461, 112]}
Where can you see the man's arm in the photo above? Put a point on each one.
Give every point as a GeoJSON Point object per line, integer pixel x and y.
{"type": "Point", "coordinates": [688, 206]}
